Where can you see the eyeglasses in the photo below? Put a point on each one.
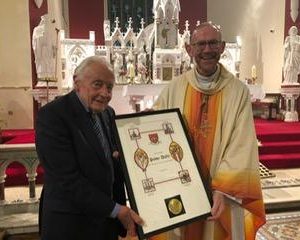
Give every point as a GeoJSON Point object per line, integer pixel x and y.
{"type": "Point", "coordinates": [213, 44]}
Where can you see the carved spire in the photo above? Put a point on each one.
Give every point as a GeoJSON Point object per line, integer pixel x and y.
{"type": "Point", "coordinates": [130, 23]}
{"type": "Point", "coordinates": [187, 25]}
{"type": "Point", "coordinates": [142, 23]}
{"type": "Point", "coordinates": [117, 22]}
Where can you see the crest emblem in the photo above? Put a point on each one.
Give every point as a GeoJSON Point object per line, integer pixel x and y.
{"type": "Point", "coordinates": [153, 138]}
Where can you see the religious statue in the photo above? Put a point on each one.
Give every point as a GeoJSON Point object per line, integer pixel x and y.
{"type": "Point", "coordinates": [142, 68]}
{"type": "Point", "coordinates": [291, 67]}
{"type": "Point", "coordinates": [130, 67]}
{"type": "Point", "coordinates": [44, 44]}
{"type": "Point", "coordinates": [186, 61]}
{"type": "Point", "coordinates": [106, 27]}
{"type": "Point", "coordinates": [118, 68]}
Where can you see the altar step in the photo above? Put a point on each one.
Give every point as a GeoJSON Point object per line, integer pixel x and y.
{"type": "Point", "coordinates": [280, 147]}
{"type": "Point", "coordinates": [279, 137]}
{"type": "Point", "coordinates": [20, 224]}
{"type": "Point", "coordinates": [279, 161]}
{"type": "Point", "coordinates": [280, 143]}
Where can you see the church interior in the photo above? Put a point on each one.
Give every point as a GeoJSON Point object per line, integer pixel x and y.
{"type": "Point", "coordinates": [145, 43]}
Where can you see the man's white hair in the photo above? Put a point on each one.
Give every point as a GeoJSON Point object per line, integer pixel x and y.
{"type": "Point", "coordinates": [89, 61]}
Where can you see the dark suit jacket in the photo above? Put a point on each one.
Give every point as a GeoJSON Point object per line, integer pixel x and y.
{"type": "Point", "coordinates": [78, 188]}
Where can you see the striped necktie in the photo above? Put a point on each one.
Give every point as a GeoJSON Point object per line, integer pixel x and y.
{"type": "Point", "coordinates": [98, 128]}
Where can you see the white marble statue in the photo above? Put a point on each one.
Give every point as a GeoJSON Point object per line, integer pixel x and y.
{"type": "Point", "coordinates": [118, 67]}
{"type": "Point", "coordinates": [44, 44]}
{"type": "Point", "coordinates": [106, 27]}
{"type": "Point", "coordinates": [291, 67]}
{"type": "Point", "coordinates": [130, 67]}
{"type": "Point", "coordinates": [186, 61]}
{"type": "Point", "coordinates": [142, 68]}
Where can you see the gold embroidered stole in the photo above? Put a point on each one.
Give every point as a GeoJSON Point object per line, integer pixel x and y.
{"type": "Point", "coordinates": [200, 111]}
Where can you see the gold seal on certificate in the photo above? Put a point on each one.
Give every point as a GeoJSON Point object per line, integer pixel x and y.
{"type": "Point", "coordinates": [174, 206]}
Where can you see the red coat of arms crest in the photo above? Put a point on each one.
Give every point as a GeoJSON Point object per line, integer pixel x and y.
{"type": "Point", "coordinates": [153, 137]}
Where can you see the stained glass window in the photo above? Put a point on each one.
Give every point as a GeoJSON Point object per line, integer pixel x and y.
{"type": "Point", "coordinates": [124, 9]}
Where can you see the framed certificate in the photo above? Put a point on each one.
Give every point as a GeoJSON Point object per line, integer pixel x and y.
{"type": "Point", "coordinates": [162, 174]}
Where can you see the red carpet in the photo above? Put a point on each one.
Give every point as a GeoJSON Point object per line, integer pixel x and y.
{"type": "Point", "coordinates": [280, 143]}
{"type": "Point", "coordinates": [14, 136]}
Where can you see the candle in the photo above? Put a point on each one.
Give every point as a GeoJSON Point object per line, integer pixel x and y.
{"type": "Point", "coordinates": [239, 40]}
{"type": "Point", "coordinates": [253, 72]}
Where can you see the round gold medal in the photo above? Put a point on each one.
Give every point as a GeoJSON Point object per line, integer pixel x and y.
{"type": "Point", "coordinates": [175, 206]}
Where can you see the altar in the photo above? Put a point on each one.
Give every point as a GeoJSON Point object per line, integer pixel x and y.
{"type": "Point", "coordinates": [152, 54]}
{"type": "Point", "coordinates": [257, 92]}
{"type": "Point", "coordinates": [18, 158]}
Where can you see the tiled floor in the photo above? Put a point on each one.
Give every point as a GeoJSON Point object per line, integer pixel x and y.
{"type": "Point", "coordinates": [285, 226]}
{"type": "Point", "coordinates": [20, 223]}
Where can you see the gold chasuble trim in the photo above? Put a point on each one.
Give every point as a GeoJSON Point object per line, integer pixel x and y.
{"type": "Point", "coordinates": [200, 112]}
{"type": "Point", "coordinates": [201, 120]}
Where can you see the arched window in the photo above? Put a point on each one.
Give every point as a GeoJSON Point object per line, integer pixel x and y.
{"type": "Point", "coordinates": [124, 9]}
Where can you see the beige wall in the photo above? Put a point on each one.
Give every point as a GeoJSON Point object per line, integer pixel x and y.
{"type": "Point", "coordinates": [260, 23]}
{"type": "Point", "coordinates": [16, 108]}
{"type": "Point", "coordinates": [16, 105]}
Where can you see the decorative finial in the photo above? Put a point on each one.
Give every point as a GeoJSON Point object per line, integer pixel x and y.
{"type": "Point", "coordinates": [117, 22]}
{"type": "Point", "coordinates": [187, 25]}
{"type": "Point", "coordinates": [142, 23]}
{"type": "Point", "coordinates": [130, 22]}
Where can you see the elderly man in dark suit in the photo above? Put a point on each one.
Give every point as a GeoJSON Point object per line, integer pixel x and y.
{"type": "Point", "coordinates": [83, 191]}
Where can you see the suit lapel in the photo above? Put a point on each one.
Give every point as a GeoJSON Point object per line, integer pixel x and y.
{"type": "Point", "coordinates": [82, 120]}
{"type": "Point", "coordinates": [106, 121]}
